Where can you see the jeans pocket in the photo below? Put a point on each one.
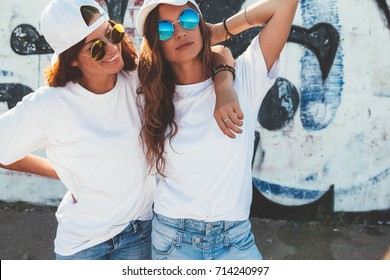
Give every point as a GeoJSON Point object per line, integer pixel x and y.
{"type": "Point", "coordinates": [242, 241]}
{"type": "Point", "coordinates": [162, 244]}
{"type": "Point", "coordinates": [241, 236]}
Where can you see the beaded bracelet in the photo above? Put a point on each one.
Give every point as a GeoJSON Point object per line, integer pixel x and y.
{"type": "Point", "coordinates": [224, 67]}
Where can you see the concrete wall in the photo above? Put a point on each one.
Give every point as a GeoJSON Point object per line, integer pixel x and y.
{"type": "Point", "coordinates": [324, 124]}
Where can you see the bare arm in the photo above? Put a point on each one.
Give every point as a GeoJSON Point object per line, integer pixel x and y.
{"type": "Point", "coordinates": [276, 15]}
{"type": "Point", "coordinates": [33, 164]}
{"type": "Point", "coordinates": [227, 106]}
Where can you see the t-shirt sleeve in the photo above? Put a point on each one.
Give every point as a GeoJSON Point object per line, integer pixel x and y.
{"type": "Point", "coordinates": [251, 72]}
{"type": "Point", "coordinates": [20, 132]}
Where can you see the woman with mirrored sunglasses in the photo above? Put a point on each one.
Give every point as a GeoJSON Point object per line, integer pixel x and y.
{"type": "Point", "coordinates": [114, 35]}
{"type": "Point", "coordinates": [204, 195]}
{"type": "Point", "coordinates": [88, 119]}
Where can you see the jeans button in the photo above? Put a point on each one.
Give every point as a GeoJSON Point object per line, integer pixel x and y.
{"type": "Point", "coordinates": [197, 240]}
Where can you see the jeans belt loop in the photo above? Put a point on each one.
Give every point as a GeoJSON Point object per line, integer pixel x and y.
{"type": "Point", "coordinates": [226, 240]}
{"type": "Point", "coordinates": [135, 226]}
{"type": "Point", "coordinates": [179, 239]}
{"type": "Point", "coordinates": [181, 223]}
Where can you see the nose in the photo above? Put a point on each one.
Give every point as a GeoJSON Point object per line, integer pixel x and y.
{"type": "Point", "coordinates": [111, 48]}
{"type": "Point", "coordinates": [179, 30]}
{"type": "Point", "coordinates": [107, 41]}
{"type": "Point", "coordinates": [111, 44]}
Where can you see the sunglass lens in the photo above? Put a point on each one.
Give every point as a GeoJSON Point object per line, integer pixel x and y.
{"type": "Point", "coordinates": [98, 50]}
{"type": "Point", "coordinates": [117, 33]}
{"type": "Point", "coordinates": [165, 30]}
{"type": "Point", "coordinates": [189, 19]}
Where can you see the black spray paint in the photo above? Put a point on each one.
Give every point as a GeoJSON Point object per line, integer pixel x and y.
{"type": "Point", "coordinates": [382, 4]}
{"type": "Point", "coordinates": [25, 40]}
{"type": "Point", "coordinates": [322, 39]}
{"type": "Point", "coordinates": [13, 93]}
{"type": "Point", "coordinates": [116, 9]}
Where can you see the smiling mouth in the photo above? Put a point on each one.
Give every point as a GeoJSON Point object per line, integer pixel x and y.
{"type": "Point", "coordinates": [111, 59]}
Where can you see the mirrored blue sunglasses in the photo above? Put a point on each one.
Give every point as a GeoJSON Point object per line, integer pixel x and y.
{"type": "Point", "coordinates": [188, 19]}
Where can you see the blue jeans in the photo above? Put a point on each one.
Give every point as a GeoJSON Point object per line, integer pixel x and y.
{"type": "Point", "coordinates": [133, 243]}
{"type": "Point", "coordinates": [187, 239]}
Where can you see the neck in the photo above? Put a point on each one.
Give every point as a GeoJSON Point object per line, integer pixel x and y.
{"type": "Point", "coordinates": [98, 85]}
{"type": "Point", "coordinates": [189, 73]}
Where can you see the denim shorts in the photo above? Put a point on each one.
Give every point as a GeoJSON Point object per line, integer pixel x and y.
{"type": "Point", "coordinates": [133, 243]}
{"type": "Point", "coordinates": [187, 239]}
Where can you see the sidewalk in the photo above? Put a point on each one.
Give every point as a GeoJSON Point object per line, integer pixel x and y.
{"type": "Point", "coordinates": [27, 232]}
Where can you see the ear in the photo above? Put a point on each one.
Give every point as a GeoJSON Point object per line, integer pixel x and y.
{"type": "Point", "coordinates": [74, 63]}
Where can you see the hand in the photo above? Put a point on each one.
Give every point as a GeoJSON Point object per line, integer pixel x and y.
{"type": "Point", "coordinates": [228, 112]}
{"type": "Point", "coordinates": [217, 33]}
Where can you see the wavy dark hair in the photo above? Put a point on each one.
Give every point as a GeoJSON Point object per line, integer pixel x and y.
{"type": "Point", "coordinates": [157, 90]}
{"type": "Point", "coordinates": [61, 72]}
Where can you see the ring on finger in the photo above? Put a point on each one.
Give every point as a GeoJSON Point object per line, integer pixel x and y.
{"type": "Point", "coordinates": [225, 120]}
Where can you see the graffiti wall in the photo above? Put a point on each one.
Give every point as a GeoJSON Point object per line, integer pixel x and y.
{"type": "Point", "coordinates": [324, 123]}
{"type": "Point", "coordinates": [322, 126]}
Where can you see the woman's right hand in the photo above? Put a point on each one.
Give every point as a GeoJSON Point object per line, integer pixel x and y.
{"type": "Point", "coordinates": [217, 33]}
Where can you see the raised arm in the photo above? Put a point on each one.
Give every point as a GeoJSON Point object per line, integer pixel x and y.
{"type": "Point", "coordinates": [276, 16]}
{"type": "Point", "coordinates": [33, 164]}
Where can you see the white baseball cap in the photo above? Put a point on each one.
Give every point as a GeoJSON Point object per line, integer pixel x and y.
{"type": "Point", "coordinates": [149, 5]}
{"type": "Point", "coordinates": [63, 26]}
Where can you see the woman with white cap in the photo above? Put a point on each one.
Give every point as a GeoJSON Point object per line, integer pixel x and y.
{"type": "Point", "coordinates": [203, 200]}
{"type": "Point", "coordinates": [88, 119]}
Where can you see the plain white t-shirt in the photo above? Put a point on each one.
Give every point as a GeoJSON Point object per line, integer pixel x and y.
{"type": "Point", "coordinates": [93, 142]}
{"type": "Point", "coordinates": [208, 175]}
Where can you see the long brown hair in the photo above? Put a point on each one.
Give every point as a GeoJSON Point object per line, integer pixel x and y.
{"type": "Point", "coordinates": [61, 72]}
{"type": "Point", "coordinates": [157, 89]}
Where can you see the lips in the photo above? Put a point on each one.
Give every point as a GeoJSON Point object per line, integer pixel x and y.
{"type": "Point", "coordinates": [111, 59]}
{"type": "Point", "coordinates": [183, 46]}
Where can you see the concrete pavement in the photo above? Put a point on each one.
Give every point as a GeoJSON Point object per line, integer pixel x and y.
{"type": "Point", "coordinates": [27, 232]}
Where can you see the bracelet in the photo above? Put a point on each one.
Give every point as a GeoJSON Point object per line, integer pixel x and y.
{"type": "Point", "coordinates": [247, 18]}
{"type": "Point", "coordinates": [223, 67]}
{"type": "Point", "coordinates": [227, 30]}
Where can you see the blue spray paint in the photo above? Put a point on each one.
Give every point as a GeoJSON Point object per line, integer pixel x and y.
{"type": "Point", "coordinates": [287, 192]}
{"type": "Point", "coordinates": [363, 186]}
{"type": "Point", "coordinates": [322, 81]}
{"type": "Point", "coordinates": [320, 98]}
{"type": "Point", "coordinates": [5, 73]}
{"type": "Point", "coordinates": [276, 190]}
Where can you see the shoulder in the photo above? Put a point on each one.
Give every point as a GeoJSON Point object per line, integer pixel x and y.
{"type": "Point", "coordinates": [42, 94]}
{"type": "Point", "coordinates": [45, 98]}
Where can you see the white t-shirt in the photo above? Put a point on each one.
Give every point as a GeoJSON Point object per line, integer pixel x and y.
{"type": "Point", "coordinates": [208, 175]}
{"type": "Point", "coordinates": [93, 142]}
